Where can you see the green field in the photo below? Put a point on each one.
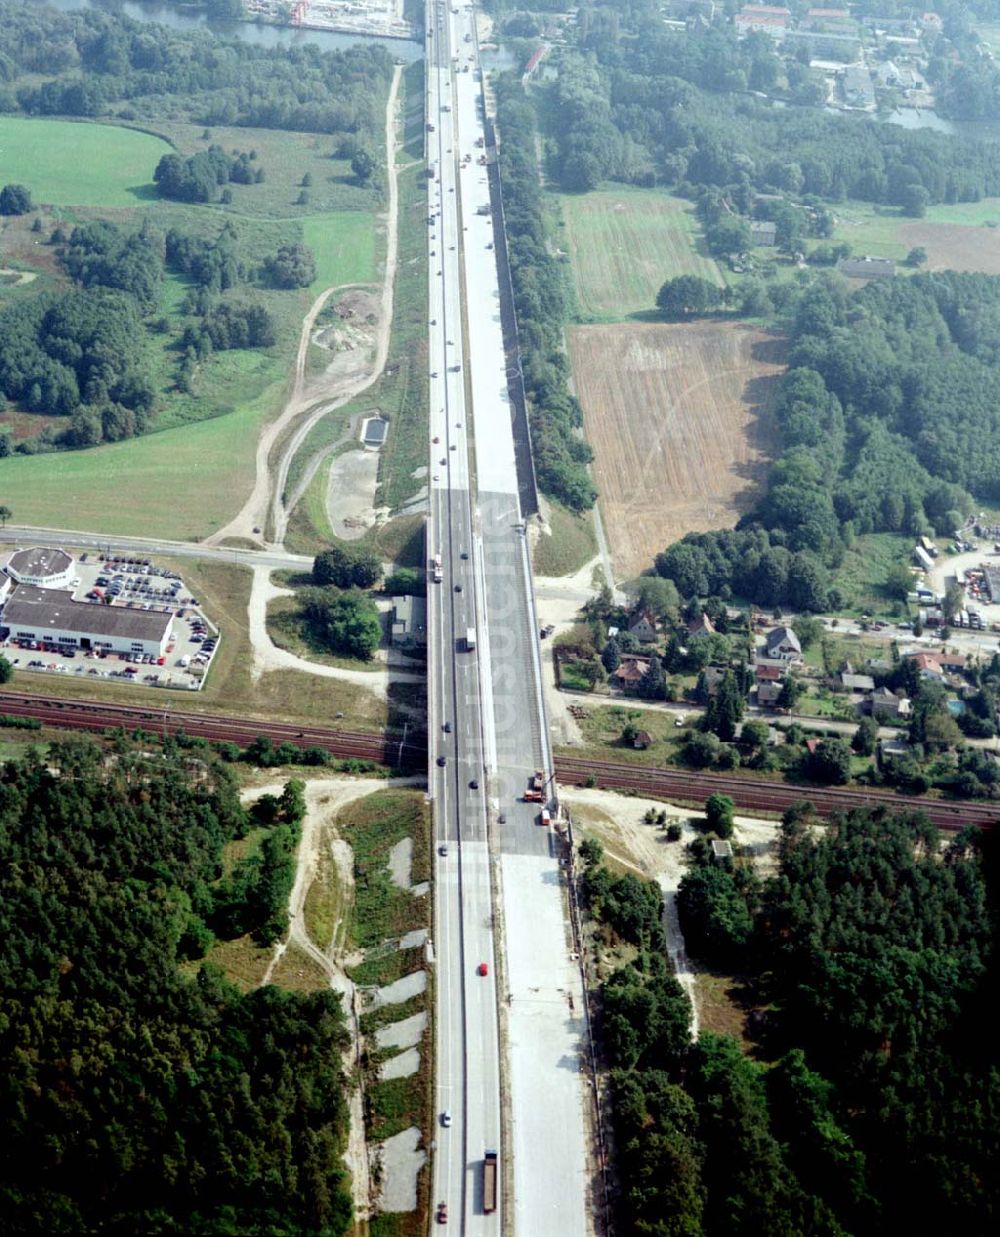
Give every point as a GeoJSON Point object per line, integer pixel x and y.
{"type": "Point", "coordinates": [67, 163]}
{"type": "Point", "coordinates": [344, 245]}
{"type": "Point", "coordinates": [623, 243]}
{"type": "Point", "coordinates": [181, 484]}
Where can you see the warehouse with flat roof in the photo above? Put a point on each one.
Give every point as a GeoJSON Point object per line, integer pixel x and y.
{"type": "Point", "coordinates": [52, 616]}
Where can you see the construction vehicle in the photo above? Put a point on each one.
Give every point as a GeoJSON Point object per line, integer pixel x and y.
{"type": "Point", "coordinates": [536, 787]}
{"type": "Point", "coordinates": [489, 1182]}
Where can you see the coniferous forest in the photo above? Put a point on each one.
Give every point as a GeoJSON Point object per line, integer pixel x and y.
{"type": "Point", "coordinates": [140, 1094]}
{"type": "Point", "coordinates": [866, 1099]}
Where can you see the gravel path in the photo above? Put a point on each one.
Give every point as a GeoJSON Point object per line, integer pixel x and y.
{"type": "Point", "coordinates": [266, 496]}
{"type": "Point", "coordinates": [268, 657]}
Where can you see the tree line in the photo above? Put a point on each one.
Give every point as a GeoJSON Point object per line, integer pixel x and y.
{"type": "Point", "coordinates": [561, 455]}
{"type": "Point", "coordinates": [141, 1096]}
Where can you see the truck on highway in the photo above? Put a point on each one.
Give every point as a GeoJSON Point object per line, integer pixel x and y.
{"type": "Point", "coordinates": [536, 787]}
{"type": "Point", "coordinates": [436, 571]}
{"type": "Point", "coordinates": [470, 639]}
{"type": "Point", "coordinates": [489, 1182]}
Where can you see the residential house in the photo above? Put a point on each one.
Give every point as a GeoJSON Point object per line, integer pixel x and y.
{"type": "Point", "coordinates": [642, 740]}
{"type": "Point", "coordinates": [783, 645]}
{"type": "Point", "coordinates": [886, 705]}
{"type": "Point", "coordinates": [827, 19]}
{"type": "Point", "coordinates": [763, 19]}
{"type": "Point", "coordinates": [643, 626]}
{"type": "Point", "coordinates": [768, 694]}
{"type": "Point", "coordinates": [890, 750]}
{"type": "Point", "coordinates": [630, 672]}
{"type": "Point", "coordinates": [770, 671]}
{"type": "Point", "coordinates": [857, 684]}
{"type": "Point", "coordinates": [866, 268]}
{"type": "Point", "coordinates": [943, 662]}
{"type": "Point", "coordinates": [701, 626]}
{"type": "Point", "coordinates": [763, 232]}
{"type": "Point", "coordinates": [710, 679]}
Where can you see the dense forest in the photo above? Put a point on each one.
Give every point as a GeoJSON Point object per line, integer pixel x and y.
{"type": "Point", "coordinates": [889, 420]}
{"type": "Point", "coordinates": [139, 1096]}
{"type": "Point", "coordinates": [639, 103]}
{"type": "Point", "coordinates": [869, 1103]}
{"type": "Point", "coordinates": [91, 63]}
{"type": "Point", "coordinates": [83, 356]}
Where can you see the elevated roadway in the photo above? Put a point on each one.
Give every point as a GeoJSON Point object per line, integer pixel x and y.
{"type": "Point", "coordinates": [467, 1034]}
{"type": "Point", "coordinates": [499, 734]}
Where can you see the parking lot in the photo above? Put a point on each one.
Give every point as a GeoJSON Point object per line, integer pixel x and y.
{"type": "Point", "coordinates": [138, 584]}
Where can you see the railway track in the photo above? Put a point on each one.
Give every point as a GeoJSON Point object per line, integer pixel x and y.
{"type": "Point", "coordinates": [749, 794]}
{"type": "Point", "coordinates": [94, 715]}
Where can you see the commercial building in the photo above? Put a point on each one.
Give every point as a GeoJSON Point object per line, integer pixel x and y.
{"type": "Point", "coordinates": [51, 616]}
{"type": "Point", "coordinates": [42, 566]}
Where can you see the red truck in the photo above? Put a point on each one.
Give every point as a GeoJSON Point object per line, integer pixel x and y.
{"type": "Point", "coordinates": [536, 787]}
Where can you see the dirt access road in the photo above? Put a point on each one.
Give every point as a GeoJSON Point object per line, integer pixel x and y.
{"type": "Point", "coordinates": [310, 402]}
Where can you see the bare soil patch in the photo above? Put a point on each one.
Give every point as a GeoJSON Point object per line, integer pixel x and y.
{"type": "Point", "coordinates": [955, 247]}
{"type": "Point", "coordinates": [680, 417]}
{"type": "Point", "coordinates": [350, 494]}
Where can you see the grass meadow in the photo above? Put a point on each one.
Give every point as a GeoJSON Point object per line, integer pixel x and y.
{"type": "Point", "coordinates": [76, 163]}
{"type": "Point", "coordinates": [624, 243]}
{"type": "Point", "coordinates": [192, 473]}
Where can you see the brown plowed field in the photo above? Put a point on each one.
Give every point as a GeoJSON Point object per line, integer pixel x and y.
{"type": "Point", "coordinates": [680, 420]}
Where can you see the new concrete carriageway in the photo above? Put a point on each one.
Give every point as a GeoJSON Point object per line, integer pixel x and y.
{"type": "Point", "coordinates": [487, 721]}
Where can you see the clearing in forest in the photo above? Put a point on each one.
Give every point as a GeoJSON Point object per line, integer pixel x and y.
{"type": "Point", "coordinates": [623, 243]}
{"type": "Point", "coordinates": [680, 420]}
